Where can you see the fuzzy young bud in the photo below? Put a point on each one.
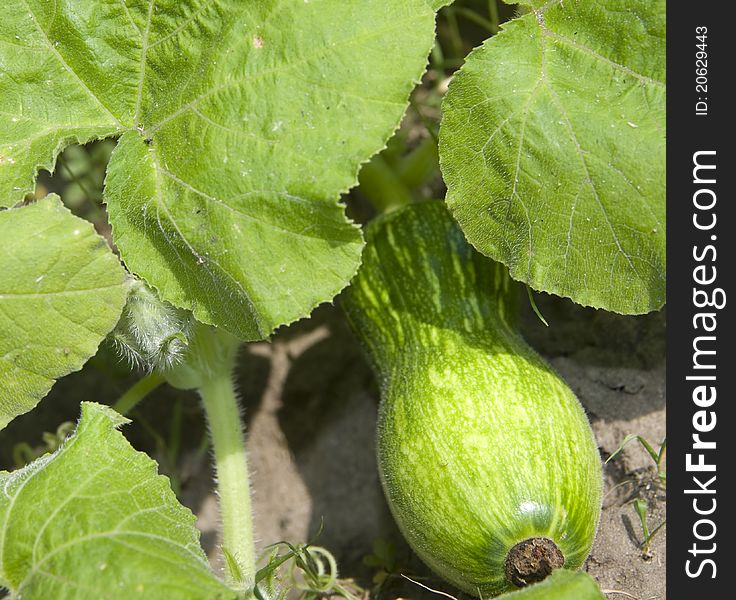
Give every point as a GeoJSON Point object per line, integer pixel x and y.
{"type": "Point", "coordinates": [152, 334]}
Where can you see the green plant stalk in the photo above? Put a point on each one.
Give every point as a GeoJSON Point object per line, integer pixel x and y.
{"type": "Point", "coordinates": [438, 59]}
{"type": "Point", "coordinates": [208, 369]}
{"type": "Point", "coordinates": [421, 165]}
{"type": "Point", "coordinates": [493, 16]}
{"type": "Point", "coordinates": [174, 444]}
{"type": "Point", "coordinates": [140, 389]}
{"type": "Point", "coordinates": [381, 185]}
{"type": "Point", "coordinates": [233, 487]}
{"type": "Point", "coordinates": [534, 306]}
{"type": "Point", "coordinates": [474, 17]}
{"type": "Point", "coordinates": [454, 32]}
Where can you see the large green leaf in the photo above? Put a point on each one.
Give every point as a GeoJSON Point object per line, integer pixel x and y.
{"type": "Point", "coordinates": [552, 147]}
{"type": "Point", "coordinates": [240, 124]}
{"type": "Point", "coordinates": [560, 585]}
{"type": "Point", "coordinates": [95, 520]}
{"type": "Point", "coordinates": [61, 291]}
{"type": "Point", "coordinates": [437, 4]}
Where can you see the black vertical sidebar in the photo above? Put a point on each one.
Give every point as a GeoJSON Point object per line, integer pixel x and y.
{"type": "Point", "coordinates": [701, 300]}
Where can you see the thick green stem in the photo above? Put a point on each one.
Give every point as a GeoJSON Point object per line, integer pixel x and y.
{"type": "Point", "coordinates": [208, 368]}
{"type": "Point", "coordinates": [221, 405]}
{"type": "Point", "coordinates": [382, 187]}
{"type": "Point", "coordinates": [420, 166]}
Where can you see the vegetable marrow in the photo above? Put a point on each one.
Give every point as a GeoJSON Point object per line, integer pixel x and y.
{"type": "Point", "coordinates": [486, 457]}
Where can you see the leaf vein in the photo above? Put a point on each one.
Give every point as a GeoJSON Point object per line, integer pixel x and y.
{"type": "Point", "coordinates": [67, 67]}
{"type": "Point", "coordinates": [144, 52]}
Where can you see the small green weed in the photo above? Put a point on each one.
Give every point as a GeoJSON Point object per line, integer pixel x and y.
{"type": "Point", "coordinates": [308, 570]}
{"type": "Point", "coordinates": [657, 456]}
{"type": "Point", "coordinates": [23, 453]}
{"type": "Point", "coordinates": [641, 506]}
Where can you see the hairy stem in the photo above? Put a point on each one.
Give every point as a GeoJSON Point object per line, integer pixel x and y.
{"type": "Point", "coordinates": [208, 368]}
{"type": "Point", "coordinates": [226, 431]}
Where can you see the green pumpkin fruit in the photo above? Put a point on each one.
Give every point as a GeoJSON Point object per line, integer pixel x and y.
{"type": "Point", "coordinates": [487, 459]}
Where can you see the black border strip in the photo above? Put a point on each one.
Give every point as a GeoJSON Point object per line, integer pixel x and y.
{"type": "Point", "coordinates": [700, 262]}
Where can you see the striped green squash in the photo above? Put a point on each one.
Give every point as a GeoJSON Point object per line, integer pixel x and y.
{"type": "Point", "coordinates": [486, 457]}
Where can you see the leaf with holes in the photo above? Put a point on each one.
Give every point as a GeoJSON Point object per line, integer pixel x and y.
{"type": "Point", "coordinates": [61, 291]}
{"type": "Point", "coordinates": [240, 124]}
{"type": "Point", "coordinates": [552, 148]}
{"type": "Point", "coordinates": [95, 520]}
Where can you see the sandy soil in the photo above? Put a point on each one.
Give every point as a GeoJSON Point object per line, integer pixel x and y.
{"type": "Point", "coordinates": [310, 406]}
